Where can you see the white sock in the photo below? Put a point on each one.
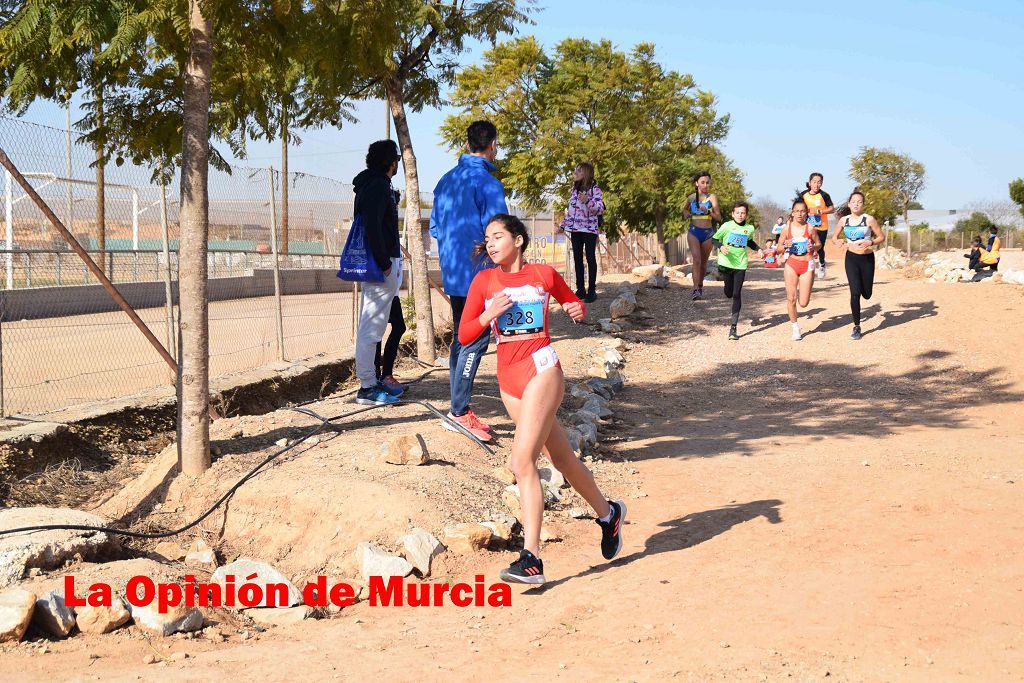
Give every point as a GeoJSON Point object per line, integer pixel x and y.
{"type": "Point", "coordinates": [608, 517]}
{"type": "Point", "coordinates": [796, 327]}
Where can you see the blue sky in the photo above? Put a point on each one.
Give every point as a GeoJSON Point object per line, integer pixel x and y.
{"type": "Point", "coordinates": [806, 85]}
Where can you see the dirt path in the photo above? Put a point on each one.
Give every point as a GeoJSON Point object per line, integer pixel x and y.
{"type": "Point", "coordinates": [812, 509]}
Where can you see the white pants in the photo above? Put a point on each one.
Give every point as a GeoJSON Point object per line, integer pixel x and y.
{"type": "Point", "coordinates": [376, 308]}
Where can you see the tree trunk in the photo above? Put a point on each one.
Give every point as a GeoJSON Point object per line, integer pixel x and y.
{"type": "Point", "coordinates": [194, 384]}
{"type": "Point", "coordinates": [101, 188]}
{"type": "Point", "coordinates": [659, 222]}
{"type": "Point", "coordinates": [284, 178]}
{"type": "Point", "coordinates": [414, 234]}
{"type": "Point", "coordinates": [906, 222]}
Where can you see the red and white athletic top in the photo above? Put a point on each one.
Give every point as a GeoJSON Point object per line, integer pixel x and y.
{"type": "Point", "coordinates": [523, 328]}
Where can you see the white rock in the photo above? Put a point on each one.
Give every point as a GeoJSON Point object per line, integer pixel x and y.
{"type": "Point", "coordinates": [99, 620]}
{"type": "Point", "coordinates": [53, 616]}
{"type": "Point", "coordinates": [613, 343]}
{"type": "Point", "coordinates": [277, 616]}
{"type": "Point", "coordinates": [501, 532]}
{"type": "Point", "coordinates": [202, 554]}
{"type": "Point", "coordinates": [16, 608]}
{"type": "Point", "coordinates": [552, 476]}
{"type": "Point", "coordinates": [613, 357]}
{"type": "Point", "coordinates": [420, 548]}
{"type": "Point", "coordinates": [49, 549]}
{"type": "Point", "coordinates": [246, 570]}
{"type": "Point", "coordinates": [649, 271]}
{"type": "Point", "coordinates": [374, 561]}
{"type": "Point", "coordinates": [179, 619]}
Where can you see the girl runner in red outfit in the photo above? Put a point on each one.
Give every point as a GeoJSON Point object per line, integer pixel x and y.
{"type": "Point", "coordinates": [512, 299]}
{"type": "Point", "coordinates": [801, 242]}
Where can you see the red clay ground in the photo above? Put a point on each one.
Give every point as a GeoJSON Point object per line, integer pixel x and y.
{"type": "Point", "coordinates": [797, 510]}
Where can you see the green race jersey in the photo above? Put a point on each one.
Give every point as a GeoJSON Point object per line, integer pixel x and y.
{"type": "Point", "coordinates": [735, 237]}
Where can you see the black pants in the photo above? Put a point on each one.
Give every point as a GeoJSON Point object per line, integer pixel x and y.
{"type": "Point", "coordinates": [585, 241]}
{"type": "Point", "coordinates": [860, 271]}
{"type": "Point", "coordinates": [822, 237]}
{"type": "Point", "coordinates": [734, 280]}
{"type": "Point", "coordinates": [385, 362]}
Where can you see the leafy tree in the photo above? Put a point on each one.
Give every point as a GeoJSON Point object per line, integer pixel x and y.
{"type": "Point", "coordinates": [915, 206]}
{"type": "Point", "coordinates": [49, 49]}
{"type": "Point", "coordinates": [645, 129]}
{"type": "Point", "coordinates": [410, 72]}
{"type": "Point", "coordinates": [977, 224]}
{"type": "Point", "coordinates": [1017, 193]}
{"type": "Point", "coordinates": [890, 182]}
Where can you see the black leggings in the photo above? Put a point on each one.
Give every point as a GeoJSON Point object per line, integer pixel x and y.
{"type": "Point", "coordinates": [587, 241]}
{"type": "Point", "coordinates": [822, 237]}
{"type": "Point", "coordinates": [734, 289]}
{"type": "Point", "coordinates": [385, 362]}
{"type": "Point", "coordinates": [860, 271]}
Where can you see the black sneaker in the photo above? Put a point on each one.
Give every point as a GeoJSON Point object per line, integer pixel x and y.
{"type": "Point", "coordinates": [590, 298]}
{"type": "Point", "coordinates": [580, 294]}
{"type": "Point", "coordinates": [856, 333]}
{"type": "Point", "coordinates": [733, 336]}
{"type": "Point", "coordinates": [611, 531]}
{"type": "Point", "coordinates": [527, 569]}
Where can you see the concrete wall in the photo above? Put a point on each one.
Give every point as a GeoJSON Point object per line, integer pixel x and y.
{"type": "Point", "coordinates": [57, 302]}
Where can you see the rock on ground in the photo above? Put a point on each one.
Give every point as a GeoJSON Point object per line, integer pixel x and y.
{"type": "Point", "coordinates": [501, 533]}
{"type": "Point", "coordinates": [103, 619]}
{"type": "Point", "coordinates": [622, 305]}
{"type": "Point", "coordinates": [170, 550]}
{"type": "Point", "coordinates": [420, 548]}
{"type": "Point", "coordinates": [175, 620]}
{"type": "Point", "coordinates": [409, 449]}
{"type": "Point", "coordinates": [376, 562]}
{"type": "Point", "coordinates": [49, 549]}
{"type": "Point", "coordinates": [243, 571]}
{"type": "Point", "coordinates": [16, 608]}
{"type": "Point", "coordinates": [53, 616]}
{"type": "Point", "coordinates": [466, 539]}
{"type": "Point", "coordinates": [653, 270]}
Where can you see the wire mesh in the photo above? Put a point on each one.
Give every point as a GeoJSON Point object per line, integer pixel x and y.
{"type": "Point", "coordinates": [63, 341]}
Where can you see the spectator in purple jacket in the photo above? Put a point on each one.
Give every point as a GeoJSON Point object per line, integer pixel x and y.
{"type": "Point", "coordinates": [583, 221]}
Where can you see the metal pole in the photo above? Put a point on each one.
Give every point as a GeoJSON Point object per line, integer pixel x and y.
{"type": "Point", "coordinates": [71, 186]}
{"type": "Point", "coordinates": [3, 405]}
{"type": "Point", "coordinates": [58, 269]}
{"type": "Point", "coordinates": [9, 235]}
{"type": "Point", "coordinates": [12, 170]}
{"type": "Point", "coordinates": [168, 289]}
{"type": "Point", "coordinates": [277, 265]}
{"type": "Point", "coordinates": [135, 219]}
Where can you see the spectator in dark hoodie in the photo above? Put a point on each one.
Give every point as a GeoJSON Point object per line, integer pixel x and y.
{"type": "Point", "coordinates": [375, 204]}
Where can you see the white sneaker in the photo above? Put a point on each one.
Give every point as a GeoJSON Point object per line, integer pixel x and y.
{"type": "Point", "coordinates": [796, 333]}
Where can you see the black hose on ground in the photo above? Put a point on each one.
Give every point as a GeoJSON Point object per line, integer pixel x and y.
{"type": "Point", "coordinates": [325, 424]}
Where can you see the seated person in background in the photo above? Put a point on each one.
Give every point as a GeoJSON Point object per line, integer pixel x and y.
{"type": "Point", "coordinates": [975, 255]}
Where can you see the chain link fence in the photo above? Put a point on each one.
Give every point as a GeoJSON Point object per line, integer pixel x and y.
{"type": "Point", "coordinates": [63, 340]}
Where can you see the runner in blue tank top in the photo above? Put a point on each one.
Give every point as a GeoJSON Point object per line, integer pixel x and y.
{"type": "Point", "coordinates": [701, 210]}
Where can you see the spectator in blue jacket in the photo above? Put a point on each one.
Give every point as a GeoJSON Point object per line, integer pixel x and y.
{"type": "Point", "coordinates": [464, 200]}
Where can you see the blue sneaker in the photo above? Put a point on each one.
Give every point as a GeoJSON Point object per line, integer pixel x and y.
{"type": "Point", "coordinates": [375, 396]}
{"type": "Point", "coordinates": [392, 386]}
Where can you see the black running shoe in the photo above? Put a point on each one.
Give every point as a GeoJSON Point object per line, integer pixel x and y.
{"type": "Point", "coordinates": [527, 569]}
{"type": "Point", "coordinates": [611, 531]}
{"type": "Point", "coordinates": [590, 298]}
{"type": "Point", "coordinates": [733, 336]}
{"type": "Point", "coordinates": [856, 333]}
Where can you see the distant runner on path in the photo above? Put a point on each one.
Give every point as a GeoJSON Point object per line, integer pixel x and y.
{"type": "Point", "coordinates": [702, 214]}
{"type": "Point", "coordinates": [819, 205]}
{"type": "Point", "coordinates": [861, 234]}
{"type": "Point", "coordinates": [733, 239]}
{"type": "Point", "coordinates": [801, 243]}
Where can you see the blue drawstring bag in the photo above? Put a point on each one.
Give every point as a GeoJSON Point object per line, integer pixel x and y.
{"type": "Point", "coordinates": [357, 263]}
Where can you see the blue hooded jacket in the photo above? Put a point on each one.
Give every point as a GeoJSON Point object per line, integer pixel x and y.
{"type": "Point", "coordinates": [464, 200]}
